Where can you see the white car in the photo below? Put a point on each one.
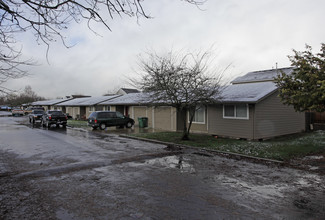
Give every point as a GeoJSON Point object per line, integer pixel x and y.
{"type": "Point", "coordinates": [17, 112]}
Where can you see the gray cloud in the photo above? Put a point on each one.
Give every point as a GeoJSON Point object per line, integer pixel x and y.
{"type": "Point", "coordinates": [251, 34]}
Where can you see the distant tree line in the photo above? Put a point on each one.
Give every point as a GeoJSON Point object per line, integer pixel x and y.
{"type": "Point", "coordinates": [17, 99]}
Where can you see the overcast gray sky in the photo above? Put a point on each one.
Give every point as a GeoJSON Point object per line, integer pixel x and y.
{"type": "Point", "coordinates": [248, 34]}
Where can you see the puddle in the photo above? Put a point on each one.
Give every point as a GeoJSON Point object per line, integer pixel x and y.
{"type": "Point", "coordinates": [63, 214]}
{"type": "Point", "coordinates": [313, 168]}
{"type": "Point", "coordinates": [174, 162]}
{"type": "Point", "coordinates": [309, 179]}
{"type": "Point", "coordinates": [265, 191]}
{"type": "Point", "coordinates": [313, 157]}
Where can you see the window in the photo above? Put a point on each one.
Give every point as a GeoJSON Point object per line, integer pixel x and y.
{"type": "Point", "coordinates": [92, 108]}
{"type": "Point", "coordinates": [106, 108]}
{"type": "Point", "coordinates": [199, 115]}
{"type": "Point", "coordinates": [239, 111]}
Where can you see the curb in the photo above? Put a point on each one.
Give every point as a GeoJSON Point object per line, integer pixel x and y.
{"type": "Point", "coordinates": [236, 156]}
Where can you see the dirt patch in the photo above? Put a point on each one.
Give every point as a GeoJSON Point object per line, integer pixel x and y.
{"type": "Point", "coordinates": [313, 163]}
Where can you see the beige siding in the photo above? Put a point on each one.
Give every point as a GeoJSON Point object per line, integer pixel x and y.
{"type": "Point", "coordinates": [88, 112]}
{"type": "Point", "coordinates": [138, 111]}
{"type": "Point", "coordinates": [46, 107]}
{"type": "Point", "coordinates": [68, 110]}
{"type": "Point", "coordinates": [238, 128]}
{"type": "Point", "coordinates": [73, 111]}
{"type": "Point", "coordinates": [200, 127]}
{"type": "Point", "coordinates": [112, 108]}
{"type": "Point", "coordinates": [274, 118]}
{"type": "Point", "coordinates": [150, 116]}
{"type": "Point", "coordinates": [164, 118]}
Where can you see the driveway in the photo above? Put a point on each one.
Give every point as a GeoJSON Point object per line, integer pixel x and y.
{"type": "Point", "coordinates": [82, 174]}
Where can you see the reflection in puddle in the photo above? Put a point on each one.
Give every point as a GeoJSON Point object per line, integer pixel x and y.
{"type": "Point", "coordinates": [313, 157]}
{"type": "Point", "coordinates": [309, 179]}
{"type": "Point", "coordinates": [175, 162]}
{"type": "Point", "coordinates": [265, 191]}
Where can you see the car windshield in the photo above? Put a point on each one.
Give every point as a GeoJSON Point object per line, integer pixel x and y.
{"type": "Point", "coordinates": [92, 115]}
{"type": "Point", "coordinates": [119, 115]}
{"type": "Point", "coordinates": [38, 112]}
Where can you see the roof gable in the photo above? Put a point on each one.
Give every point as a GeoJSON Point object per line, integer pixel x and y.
{"type": "Point", "coordinates": [262, 76]}
{"type": "Point", "coordinates": [124, 91]}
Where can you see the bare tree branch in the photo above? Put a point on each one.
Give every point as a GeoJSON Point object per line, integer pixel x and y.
{"type": "Point", "coordinates": [47, 19]}
{"type": "Point", "coordinates": [182, 81]}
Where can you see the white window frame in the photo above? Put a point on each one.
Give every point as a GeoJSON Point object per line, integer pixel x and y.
{"type": "Point", "coordinates": [196, 122]}
{"type": "Point", "coordinates": [106, 108]}
{"type": "Point", "coordinates": [92, 108]}
{"type": "Point", "coordinates": [235, 116]}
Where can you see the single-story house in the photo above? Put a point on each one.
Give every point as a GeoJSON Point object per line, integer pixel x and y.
{"type": "Point", "coordinates": [251, 108]}
{"type": "Point", "coordinates": [81, 108]}
{"type": "Point", "coordinates": [248, 108]}
{"type": "Point", "coordinates": [136, 105]}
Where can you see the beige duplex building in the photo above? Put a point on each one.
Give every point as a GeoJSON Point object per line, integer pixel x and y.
{"type": "Point", "coordinates": [249, 108]}
{"type": "Point", "coordinates": [81, 108]}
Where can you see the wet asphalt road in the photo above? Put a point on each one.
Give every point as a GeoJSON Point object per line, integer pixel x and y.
{"type": "Point", "coordinates": [83, 174]}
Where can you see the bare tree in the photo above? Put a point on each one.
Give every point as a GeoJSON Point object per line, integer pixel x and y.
{"type": "Point", "coordinates": [47, 20]}
{"type": "Point", "coordinates": [25, 97]}
{"type": "Point", "coordinates": [182, 81]}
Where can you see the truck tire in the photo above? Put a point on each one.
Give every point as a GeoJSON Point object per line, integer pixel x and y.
{"type": "Point", "coordinates": [102, 126]}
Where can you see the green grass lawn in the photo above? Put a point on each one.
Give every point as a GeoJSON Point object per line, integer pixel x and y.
{"type": "Point", "coordinates": [77, 123]}
{"type": "Point", "coordinates": [283, 148]}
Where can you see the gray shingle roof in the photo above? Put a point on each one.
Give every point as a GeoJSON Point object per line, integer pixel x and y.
{"type": "Point", "coordinates": [260, 76]}
{"type": "Point", "coordinates": [88, 101]}
{"type": "Point", "coordinates": [128, 99]}
{"type": "Point", "coordinates": [247, 92]}
{"type": "Point", "coordinates": [49, 102]}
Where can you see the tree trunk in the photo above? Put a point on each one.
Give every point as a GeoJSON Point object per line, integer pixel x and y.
{"type": "Point", "coordinates": [185, 131]}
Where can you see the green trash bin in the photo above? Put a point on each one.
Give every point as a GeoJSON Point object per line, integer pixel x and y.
{"type": "Point", "coordinates": [143, 122]}
{"type": "Point", "coordinates": [140, 122]}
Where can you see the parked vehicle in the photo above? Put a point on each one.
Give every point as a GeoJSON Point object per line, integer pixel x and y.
{"type": "Point", "coordinates": [30, 109]}
{"type": "Point", "coordinates": [103, 119]}
{"type": "Point", "coordinates": [54, 117]}
{"type": "Point", "coordinates": [36, 116]}
{"type": "Point", "coordinates": [5, 108]}
{"type": "Point", "coordinates": [16, 111]}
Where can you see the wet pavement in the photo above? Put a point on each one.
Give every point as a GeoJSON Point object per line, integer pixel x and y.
{"type": "Point", "coordinates": [82, 174]}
